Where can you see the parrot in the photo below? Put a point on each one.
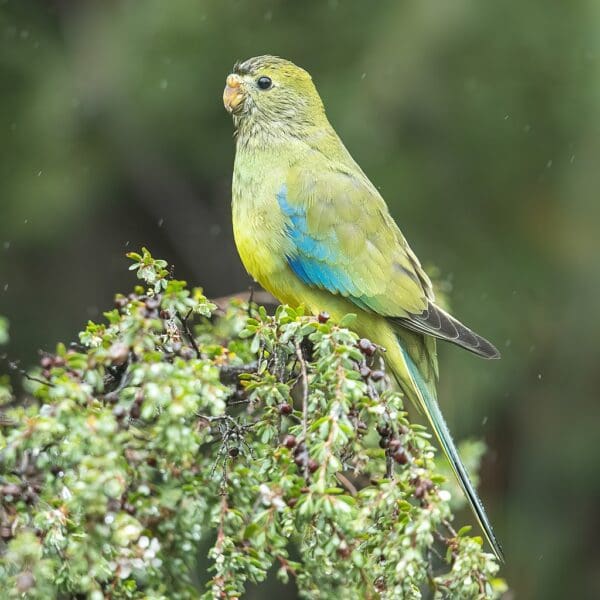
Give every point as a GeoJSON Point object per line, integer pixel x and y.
{"type": "Point", "coordinates": [312, 230]}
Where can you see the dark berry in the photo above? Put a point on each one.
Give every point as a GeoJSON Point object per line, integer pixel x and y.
{"type": "Point", "coordinates": [119, 411]}
{"type": "Point", "coordinates": [301, 458]}
{"type": "Point", "coordinates": [365, 372]}
{"type": "Point", "coordinates": [323, 317]}
{"type": "Point", "coordinates": [120, 302]}
{"type": "Point", "coordinates": [366, 347]}
{"type": "Point", "coordinates": [400, 456]}
{"type": "Point", "coordinates": [299, 448]}
{"type": "Point", "coordinates": [312, 465]}
{"type": "Point", "coordinates": [47, 362]}
{"type": "Point", "coordinates": [394, 444]}
{"type": "Point", "coordinates": [383, 429]}
{"type": "Point", "coordinates": [377, 375]}
{"type": "Point", "coordinates": [289, 441]}
{"type": "Point", "coordinates": [135, 411]}
{"type": "Point", "coordinates": [152, 304]}
{"type": "Point", "coordinates": [285, 408]}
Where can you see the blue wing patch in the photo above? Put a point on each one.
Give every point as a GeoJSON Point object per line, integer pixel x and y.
{"type": "Point", "coordinates": [314, 261]}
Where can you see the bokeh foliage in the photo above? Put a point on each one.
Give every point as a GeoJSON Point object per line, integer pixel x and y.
{"type": "Point", "coordinates": [478, 121]}
{"type": "Point", "coordinates": [271, 436]}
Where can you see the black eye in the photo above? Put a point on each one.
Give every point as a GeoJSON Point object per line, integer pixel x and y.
{"type": "Point", "coordinates": [264, 83]}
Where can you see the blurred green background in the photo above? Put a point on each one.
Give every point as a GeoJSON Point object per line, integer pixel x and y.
{"type": "Point", "coordinates": [479, 122]}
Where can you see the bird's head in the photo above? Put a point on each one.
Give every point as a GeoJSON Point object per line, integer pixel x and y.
{"type": "Point", "coordinates": [267, 91]}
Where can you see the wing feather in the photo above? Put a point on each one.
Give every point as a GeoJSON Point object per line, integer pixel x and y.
{"type": "Point", "coordinates": [344, 240]}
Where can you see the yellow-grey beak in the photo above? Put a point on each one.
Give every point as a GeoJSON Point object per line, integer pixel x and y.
{"type": "Point", "coordinates": [233, 96]}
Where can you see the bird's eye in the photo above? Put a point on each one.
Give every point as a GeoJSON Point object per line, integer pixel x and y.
{"type": "Point", "coordinates": [264, 83]}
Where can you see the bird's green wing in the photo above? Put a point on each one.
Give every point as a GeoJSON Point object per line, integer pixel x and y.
{"type": "Point", "coordinates": [344, 240]}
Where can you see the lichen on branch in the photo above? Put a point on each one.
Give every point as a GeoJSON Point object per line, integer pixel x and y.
{"type": "Point", "coordinates": [277, 440]}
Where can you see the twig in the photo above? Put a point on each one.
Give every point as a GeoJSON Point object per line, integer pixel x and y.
{"type": "Point", "coordinates": [188, 332]}
{"type": "Point", "coordinates": [449, 527]}
{"type": "Point", "coordinates": [346, 483]}
{"type": "Point", "coordinates": [286, 565]}
{"type": "Point", "coordinates": [389, 465]}
{"type": "Point", "coordinates": [250, 301]}
{"type": "Point", "coordinates": [14, 366]}
{"type": "Point", "coordinates": [304, 381]}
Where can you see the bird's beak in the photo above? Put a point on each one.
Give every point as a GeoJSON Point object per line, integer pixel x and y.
{"type": "Point", "coordinates": [233, 96]}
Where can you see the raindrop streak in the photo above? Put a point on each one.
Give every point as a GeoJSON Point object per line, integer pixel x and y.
{"type": "Point", "coordinates": [160, 222]}
{"type": "Point", "coordinates": [163, 84]}
{"type": "Point", "coordinates": [6, 245]}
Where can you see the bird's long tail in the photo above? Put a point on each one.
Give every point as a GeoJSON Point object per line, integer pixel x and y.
{"type": "Point", "coordinates": [425, 398]}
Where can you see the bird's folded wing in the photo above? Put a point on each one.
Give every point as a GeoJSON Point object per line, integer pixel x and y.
{"type": "Point", "coordinates": [343, 239]}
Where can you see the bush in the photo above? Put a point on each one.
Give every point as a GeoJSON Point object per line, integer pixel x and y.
{"type": "Point", "coordinates": [275, 439]}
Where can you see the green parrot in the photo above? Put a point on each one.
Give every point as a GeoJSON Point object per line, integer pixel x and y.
{"type": "Point", "coordinates": [313, 230]}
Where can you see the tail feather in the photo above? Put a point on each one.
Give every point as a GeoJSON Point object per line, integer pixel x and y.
{"type": "Point", "coordinates": [438, 323]}
{"type": "Point", "coordinates": [427, 403]}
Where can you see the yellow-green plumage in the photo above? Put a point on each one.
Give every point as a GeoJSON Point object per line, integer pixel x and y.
{"type": "Point", "coordinates": [313, 230]}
